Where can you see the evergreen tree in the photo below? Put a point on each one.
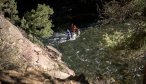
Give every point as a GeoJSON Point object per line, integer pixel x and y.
{"type": "Point", "coordinates": [9, 9]}
{"type": "Point", "coordinates": [37, 22]}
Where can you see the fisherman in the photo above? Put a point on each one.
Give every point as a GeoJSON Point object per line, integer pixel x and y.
{"type": "Point", "coordinates": [68, 34]}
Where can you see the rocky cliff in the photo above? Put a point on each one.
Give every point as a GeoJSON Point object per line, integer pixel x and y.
{"type": "Point", "coordinates": [18, 53]}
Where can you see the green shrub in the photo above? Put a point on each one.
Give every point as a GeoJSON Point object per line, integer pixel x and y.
{"type": "Point", "coordinates": [116, 38]}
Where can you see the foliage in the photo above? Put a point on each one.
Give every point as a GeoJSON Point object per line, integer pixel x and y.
{"type": "Point", "coordinates": [37, 22]}
{"type": "Point", "coordinates": [114, 39]}
{"type": "Point", "coordinates": [93, 55]}
{"type": "Point", "coordinates": [9, 8]}
{"type": "Point", "coordinates": [119, 11]}
{"type": "Point", "coordinates": [139, 5]}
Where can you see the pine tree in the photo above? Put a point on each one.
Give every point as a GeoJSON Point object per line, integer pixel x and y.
{"type": "Point", "coordinates": [37, 22]}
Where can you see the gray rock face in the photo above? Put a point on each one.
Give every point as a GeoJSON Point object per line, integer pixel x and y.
{"type": "Point", "coordinates": [20, 52]}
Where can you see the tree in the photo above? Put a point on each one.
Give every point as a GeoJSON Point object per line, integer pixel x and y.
{"type": "Point", "coordinates": [37, 22]}
{"type": "Point", "coordinates": [9, 9]}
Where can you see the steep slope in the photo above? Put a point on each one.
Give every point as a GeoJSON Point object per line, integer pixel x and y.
{"type": "Point", "coordinates": [113, 51]}
{"type": "Point", "coordinates": [18, 53]}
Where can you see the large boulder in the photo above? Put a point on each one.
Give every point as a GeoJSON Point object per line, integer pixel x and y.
{"type": "Point", "coordinates": [17, 52]}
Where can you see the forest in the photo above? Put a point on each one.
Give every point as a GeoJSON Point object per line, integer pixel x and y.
{"type": "Point", "coordinates": [112, 42]}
